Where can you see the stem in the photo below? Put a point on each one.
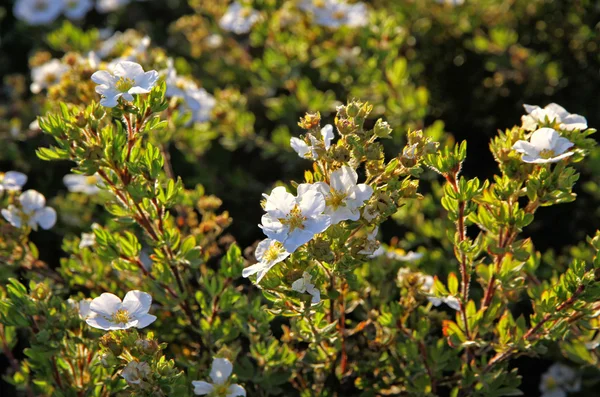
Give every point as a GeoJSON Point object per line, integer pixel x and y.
{"type": "Point", "coordinates": [464, 273]}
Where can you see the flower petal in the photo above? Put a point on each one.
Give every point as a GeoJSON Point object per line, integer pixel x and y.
{"type": "Point", "coordinates": [137, 303]}
{"type": "Point", "coordinates": [236, 391]}
{"type": "Point", "coordinates": [14, 180]}
{"type": "Point", "coordinates": [562, 145]}
{"type": "Point", "coordinates": [46, 217]}
{"type": "Point", "coordinates": [221, 370]}
{"type": "Point", "coordinates": [202, 388]}
{"type": "Point", "coordinates": [525, 148]}
{"type": "Point", "coordinates": [106, 304]}
{"type": "Point", "coordinates": [544, 139]}
{"type": "Point", "coordinates": [280, 202]}
{"type": "Point", "coordinates": [327, 134]}
{"type": "Point", "coordinates": [103, 77]}
{"type": "Point", "coordinates": [343, 179]}
{"type": "Point", "coordinates": [557, 109]}
{"type": "Point", "coordinates": [12, 215]}
{"type": "Point", "coordinates": [311, 203]}
{"type": "Point", "coordinates": [99, 322]}
{"type": "Point", "coordinates": [128, 69]}
{"type": "Point", "coordinates": [144, 320]}
{"type": "Point", "coordinates": [32, 201]}
{"type": "Point", "coordinates": [299, 146]}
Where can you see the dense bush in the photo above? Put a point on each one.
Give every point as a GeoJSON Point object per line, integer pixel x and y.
{"type": "Point", "coordinates": [397, 259]}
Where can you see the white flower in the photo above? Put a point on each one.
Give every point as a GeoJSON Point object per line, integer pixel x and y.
{"type": "Point", "coordinates": [451, 2]}
{"type": "Point", "coordinates": [426, 284]}
{"type": "Point", "coordinates": [558, 380]}
{"type": "Point", "coordinates": [403, 256]}
{"type": "Point", "coordinates": [197, 100]}
{"type": "Point", "coordinates": [78, 183]}
{"type": "Point", "coordinates": [293, 221]}
{"type": "Point", "coordinates": [268, 253]}
{"type": "Point", "coordinates": [105, 6]}
{"type": "Point", "coordinates": [87, 240]}
{"type": "Point", "coordinates": [372, 247]}
{"type": "Point", "coordinates": [12, 181]}
{"type": "Point", "coordinates": [552, 114]}
{"type": "Point", "coordinates": [37, 12]}
{"type": "Point", "coordinates": [47, 75]}
{"type": "Point", "coordinates": [238, 18]}
{"type": "Point", "coordinates": [544, 146]}
{"type": "Point", "coordinates": [84, 309]}
{"type": "Point", "coordinates": [219, 373]}
{"type": "Point", "coordinates": [129, 78]}
{"type": "Point", "coordinates": [76, 9]}
{"type": "Point", "coordinates": [33, 212]}
{"type": "Point", "coordinates": [303, 285]}
{"type": "Point", "coordinates": [303, 149]}
{"type": "Point", "coordinates": [214, 41]}
{"type": "Point", "coordinates": [112, 314]}
{"type": "Point", "coordinates": [336, 13]}
{"type": "Point", "coordinates": [135, 371]}
{"type": "Point", "coordinates": [343, 196]}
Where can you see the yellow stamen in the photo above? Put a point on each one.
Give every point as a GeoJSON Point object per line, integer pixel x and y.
{"type": "Point", "coordinates": [121, 316]}
{"type": "Point", "coordinates": [273, 252]}
{"type": "Point", "coordinates": [336, 199]}
{"type": "Point", "coordinates": [124, 84]}
{"type": "Point", "coordinates": [295, 220]}
{"type": "Point", "coordinates": [547, 153]}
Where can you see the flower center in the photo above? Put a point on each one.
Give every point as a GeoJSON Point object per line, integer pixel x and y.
{"type": "Point", "coordinates": [41, 5]}
{"type": "Point", "coordinates": [72, 4]}
{"type": "Point", "coordinates": [273, 252]}
{"type": "Point", "coordinates": [295, 219]}
{"type": "Point", "coordinates": [91, 180]}
{"type": "Point", "coordinates": [551, 383]}
{"type": "Point", "coordinates": [121, 316]}
{"type": "Point", "coordinates": [245, 12]}
{"type": "Point", "coordinates": [547, 153]}
{"type": "Point", "coordinates": [339, 15]}
{"type": "Point", "coordinates": [124, 84]}
{"type": "Point", "coordinates": [336, 199]}
{"type": "Point", "coordinates": [50, 78]}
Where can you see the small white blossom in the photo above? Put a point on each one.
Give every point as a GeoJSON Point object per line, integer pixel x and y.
{"type": "Point", "coordinates": [544, 146]}
{"type": "Point", "coordinates": [239, 19]}
{"type": "Point", "coordinates": [552, 114]}
{"type": "Point", "coordinates": [135, 372]}
{"type": "Point", "coordinates": [303, 149]}
{"type": "Point", "coordinates": [87, 240]}
{"type": "Point", "coordinates": [33, 212]}
{"type": "Point", "coordinates": [77, 9]}
{"type": "Point", "coordinates": [294, 221]}
{"type": "Point", "coordinates": [106, 6]}
{"type": "Point", "coordinates": [336, 13]}
{"type": "Point", "coordinates": [219, 374]}
{"type": "Point", "coordinates": [303, 285]}
{"type": "Point", "coordinates": [128, 79]}
{"type": "Point", "coordinates": [78, 183]}
{"type": "Point", "coordinates": [559, 380]}
{"type": "Point", "coordinates": [426, 284]}
{"type": "Point", "coordinates": [37, 12]}
{"type": "Point", "coordinates": [12, 181]}
{"type": "Point", "coordinates": [112, 314]}
{"type": "Point", "coordinates": [47, 75]}
{"type": "Point", "coordinates": [214, 41]}
{"type": "Point", "coordinates": [343, 196]}
{"type": "Point", "coordinates": [372, 246]}
{"type": "Point", "coordinates": [401, 255]}
{"type": "Point", "coordinates": [197, 100]}
{"type": "Point", "coordinates": [268, 253]}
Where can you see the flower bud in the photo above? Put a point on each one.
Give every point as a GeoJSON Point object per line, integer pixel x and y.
{"type": "Point", "coordinates": [341, 154]}
{"type": "Point", "coordinates": [353, 108]}
{"type": "Point", "coordinates": [321, 250]}
{"type": "Point", "coordinates": [310, 121]}
{"type": "Point", "coordinates": [382, 129]}
{"type": "Point", "coordinates": [111, 343]}
{"type": "Point", "coordinates": [40, 292]}
{"type": "Point", "coordinates": [146, 346]}
{"type": "Point", "coordinates": [345, 126]}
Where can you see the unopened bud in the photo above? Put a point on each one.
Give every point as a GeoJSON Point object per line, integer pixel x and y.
{"type": "Point", "coordinates": [382, 129]}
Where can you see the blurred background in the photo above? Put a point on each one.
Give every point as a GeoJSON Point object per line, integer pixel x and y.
{"type": "Point", "coordinates": [459, 70]}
